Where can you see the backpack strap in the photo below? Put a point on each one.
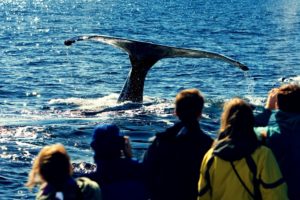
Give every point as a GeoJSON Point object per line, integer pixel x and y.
{"type": "Point", "coordinates": [207, 178]}
{"type": "Point", "coordinates": [253, 168]}
{"type": "Point", "coordinates": [241, 181]}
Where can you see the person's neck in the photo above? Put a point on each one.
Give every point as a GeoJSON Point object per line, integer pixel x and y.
{"type": "Point", "coordinates": [190, 123]}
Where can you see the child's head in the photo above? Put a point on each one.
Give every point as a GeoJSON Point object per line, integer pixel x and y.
{"type": "Point", "coordinates": [189, 104]}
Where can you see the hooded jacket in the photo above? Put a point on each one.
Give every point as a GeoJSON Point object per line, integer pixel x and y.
{"type": "Point", "coordinates": [219, 181]}
{"type": "Point", "coordinates": [283, 137]}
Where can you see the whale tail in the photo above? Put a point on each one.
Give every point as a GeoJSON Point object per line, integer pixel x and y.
{"type": "Point", "coordinates": [143, 55]}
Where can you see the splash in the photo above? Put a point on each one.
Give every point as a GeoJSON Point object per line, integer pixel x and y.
{"type": "Point", "coordinates": [295, 80]}
{"type": "Point", "coordinates": [251, 82]}
{"type": "Point", "coordinates": [19, 132]}
{"type": "Point", "coordinates": [88, 104]}
{"type": "Point", "coordinates": [257, 101]}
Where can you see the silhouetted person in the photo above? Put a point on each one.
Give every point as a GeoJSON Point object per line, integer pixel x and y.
{"type": "Point", "coordinates": [119, 176]}
{"type": "Point", "coordinates": [173, 160]}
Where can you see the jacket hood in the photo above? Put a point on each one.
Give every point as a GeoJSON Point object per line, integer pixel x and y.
{"type": "Point", "coordinates": [231, 150]}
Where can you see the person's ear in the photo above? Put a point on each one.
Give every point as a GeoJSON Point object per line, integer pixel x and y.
{"type": "Point", "coordinates": [175, 112]}
{"type": "Point", "coordinates": [199, 116]}
{"type": "Point", "coordinates": [127, 147]}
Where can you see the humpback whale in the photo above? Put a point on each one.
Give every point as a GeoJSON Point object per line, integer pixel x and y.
{"type": "Point", "coordinates": [143, 55]}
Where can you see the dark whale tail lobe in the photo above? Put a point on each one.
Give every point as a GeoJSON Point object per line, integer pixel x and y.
{"type": "Point", "coordinates": [143, 56]}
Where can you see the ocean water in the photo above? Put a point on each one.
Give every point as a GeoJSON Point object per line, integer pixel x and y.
{"type": "Point", "coordinates": [45, 87]}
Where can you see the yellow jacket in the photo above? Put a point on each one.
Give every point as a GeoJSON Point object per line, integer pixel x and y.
{"type": "Point", "coordinates": [224, 183]}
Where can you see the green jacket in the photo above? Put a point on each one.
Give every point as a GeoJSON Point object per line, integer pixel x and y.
{"type": "Point", "coordinates": [78, 189]}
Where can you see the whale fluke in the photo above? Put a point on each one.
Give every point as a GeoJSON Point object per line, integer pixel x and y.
{"type": "Point", "coordinates": [143, 55]}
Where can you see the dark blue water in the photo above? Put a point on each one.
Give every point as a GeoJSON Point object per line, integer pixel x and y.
{"type": "Point", "coordinates": [45, 86]}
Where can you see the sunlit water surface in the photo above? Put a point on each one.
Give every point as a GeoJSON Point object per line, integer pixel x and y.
{"type": "Point", "coordinates": [45, 87]}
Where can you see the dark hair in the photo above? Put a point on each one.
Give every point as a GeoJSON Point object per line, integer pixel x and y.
{"type": "Point", "coordinates": [189, 104]}
{"type": "Point", "coordinates": [237, 121]}
{"type": "Point", "coordinates": [288, 98]}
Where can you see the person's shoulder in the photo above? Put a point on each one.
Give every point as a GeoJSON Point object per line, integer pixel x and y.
{"type": "Point", "coordinates": [282, 115]}
{"type": "Point", "coordinates": [90, 189]}
{"type": "Point", "coordinates": [262, 152]}
{"type": "Point", "coordinates": [163, 139]}
{"type": "Point", "coordinates": [169, 132]}
{"type": "Point", "coordinates": [263, 149]}
{"type": "Point", "coordinates": [209, 155]}
{"type": "Point", "coordinates": [203, 138]}
{"type": "Point", "coordinates": [85, 183]}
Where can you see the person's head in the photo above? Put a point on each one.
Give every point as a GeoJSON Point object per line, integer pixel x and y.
{"type": "Point", "coordinates": [288, 98]}
{"type": "Point", "coordinates": [237, 121]}
{"type": "Point", "coordinates": [189, 104]}
{"type": "Point", "coordinates": [107, 142]}
{"type": "Point", "coordinates": [52, 165]}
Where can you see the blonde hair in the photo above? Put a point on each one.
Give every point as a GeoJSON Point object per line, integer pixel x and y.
{"type": "Point", "coordinates": [52, 165]}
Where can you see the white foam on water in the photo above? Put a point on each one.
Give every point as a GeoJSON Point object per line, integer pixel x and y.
{"type": "Point", "coordinates": [255, 100]}
{"type": "Point", "coordinates": [295, 79]}
{"type": "Point", "coordinates": [19, 132]}
{"type": "Point", "coordinates": [88, 104]}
